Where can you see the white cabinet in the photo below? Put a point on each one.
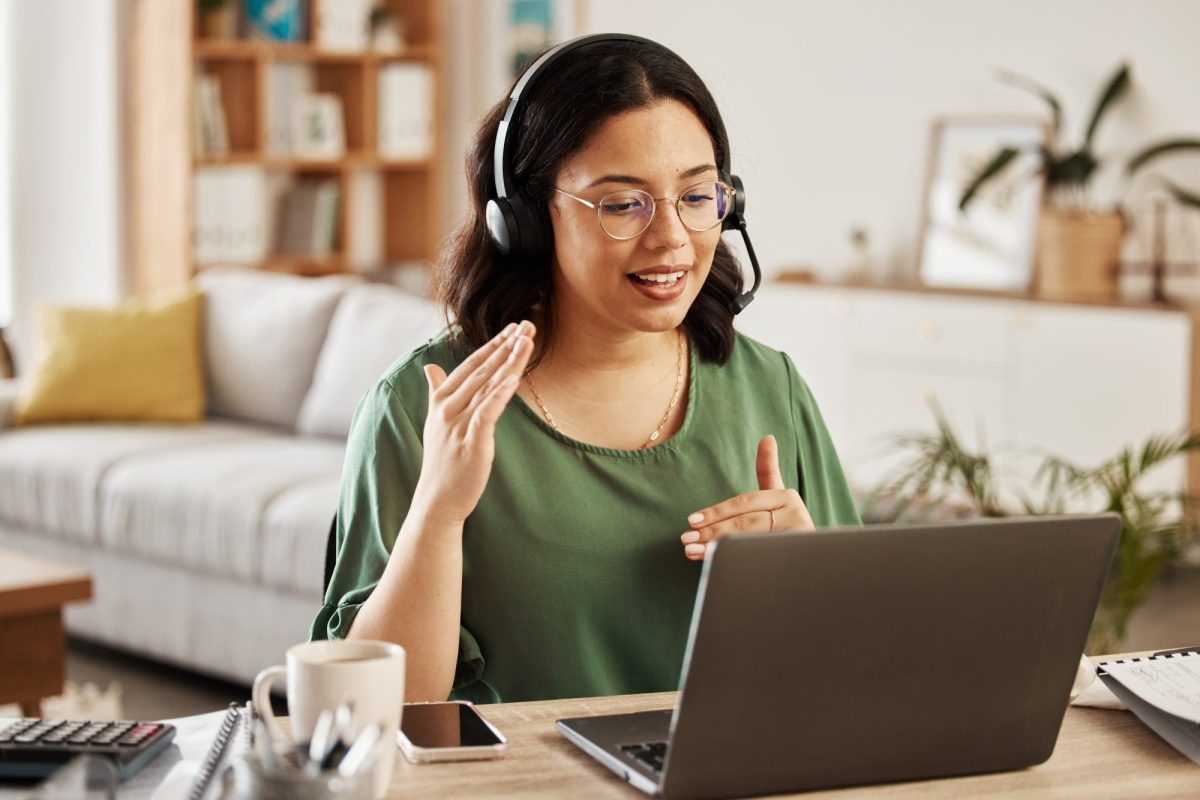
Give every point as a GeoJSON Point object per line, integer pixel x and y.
{"type": "Point", "coordinates": [813, 328]}
{"type": "Point", "coordinates": [1088, 381]}
{"type": "Point", "coordinates": [1013, 376]}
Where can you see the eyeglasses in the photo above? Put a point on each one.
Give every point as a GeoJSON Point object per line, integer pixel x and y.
{"type": "Point", "coordinates": [627, 213]}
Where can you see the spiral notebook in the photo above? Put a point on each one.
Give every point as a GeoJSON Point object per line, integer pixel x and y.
{"type": "Point", "coordinates": [235, 736]}
{"type": "Point", "coordinates": [1164, 692]}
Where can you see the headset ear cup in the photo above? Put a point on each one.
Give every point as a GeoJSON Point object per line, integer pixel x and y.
{"type": "Point", "coordinates": [532, 236]}
{"type": "Point", "coordinates": [501, 224]}
{"type": "Point", "coordinates": [739, 203]}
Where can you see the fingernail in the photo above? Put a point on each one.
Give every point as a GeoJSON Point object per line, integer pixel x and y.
{"type": "Point", "coordinates": [525, 326]}
{"type": "Point", "coordinates": [508, 331]}
{"type": "Point", "coordinates": [689, 537]}
{"type": "Point", "coordinates": [697, 517]}
{"type": "Point", "coordinates": [694, 549]}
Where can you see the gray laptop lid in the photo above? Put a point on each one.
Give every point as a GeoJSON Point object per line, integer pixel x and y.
{"type": "Point", "coordinates": [883, 653]}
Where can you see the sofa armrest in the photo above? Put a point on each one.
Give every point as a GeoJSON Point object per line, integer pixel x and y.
{"type": "Point", "coordinates": [9, 387]}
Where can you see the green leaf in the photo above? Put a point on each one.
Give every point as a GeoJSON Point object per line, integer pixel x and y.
{"type": "Point", "coordinates": [1072, 170]}
{"type": "Point", "coordinates": [998, 163]}
{"type": "Point", "coordinates": [1157, 149]}
{"type": "Point", "coordinates": [1116, 87]}
{"type": "Point", "coordinates": [1185, 197]}
{"type": "Point", "coordinates": [1029, 85]}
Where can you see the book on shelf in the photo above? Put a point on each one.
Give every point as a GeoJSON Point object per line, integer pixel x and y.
{"type": "Point", "coordinates": [342, 26]}
{"type": "Point", "coordinates": [308, 219]}
{"type": "Point", "coordinates": [210, 132]}
{"type": "Point", "coordinates": [405, 111]}
{"type": "Point", "coordinates": [230, 215]}
{"type": "Point", "coordinates": [287, 83]}
{"type": "Point", "coordinates": [276, 20]}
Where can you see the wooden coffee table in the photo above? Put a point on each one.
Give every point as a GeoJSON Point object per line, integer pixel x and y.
{"type": "Point", "coordinates": [33, 592]}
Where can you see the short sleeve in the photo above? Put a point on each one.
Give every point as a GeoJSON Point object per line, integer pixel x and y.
{"type": "Point", "coordinates": [822, 482]}
{"type": "Point", "coordinates": [383, 462]}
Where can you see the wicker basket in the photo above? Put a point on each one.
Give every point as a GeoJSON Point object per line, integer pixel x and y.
{"type": "Point", "coordinates": [1078, 254]}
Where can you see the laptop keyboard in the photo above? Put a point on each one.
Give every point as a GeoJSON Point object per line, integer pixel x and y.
{"type": "Point", "coordinates": [652, 754]}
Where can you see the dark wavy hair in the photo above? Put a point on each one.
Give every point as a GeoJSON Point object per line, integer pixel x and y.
{"type": "Point", "coordinates": [482, 291]}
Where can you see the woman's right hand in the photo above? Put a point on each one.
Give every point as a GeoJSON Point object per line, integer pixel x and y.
{"type": "Point", "coordinates": [460, 428]}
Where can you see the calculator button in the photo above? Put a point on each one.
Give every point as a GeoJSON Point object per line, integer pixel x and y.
{"type": "Point", "coordinates": [84, 735]}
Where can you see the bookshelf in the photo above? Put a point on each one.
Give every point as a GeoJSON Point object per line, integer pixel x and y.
{"type": "Point", "coordinates": [193, 204]}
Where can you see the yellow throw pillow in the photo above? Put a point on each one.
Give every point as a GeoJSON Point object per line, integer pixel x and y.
{"type": "Point", "coordinates": [138, 361]}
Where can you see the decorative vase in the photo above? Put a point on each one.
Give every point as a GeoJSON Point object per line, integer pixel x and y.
{"type": "Point", "coordinates": [220, 23]}
{"type": "Point", "coordinates": [1078, 254]}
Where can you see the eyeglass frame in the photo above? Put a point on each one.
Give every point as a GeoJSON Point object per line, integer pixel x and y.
{"type": "Point", "coordinates": [656, 200]}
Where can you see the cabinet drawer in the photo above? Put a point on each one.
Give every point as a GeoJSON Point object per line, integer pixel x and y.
{"type": "Point", "coordinates": [968, 331]}
{"type": "Point", "coordinates": [887, 402]}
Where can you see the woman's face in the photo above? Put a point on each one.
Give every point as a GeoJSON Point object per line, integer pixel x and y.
{"type": "Point", "coordinates": [662, 150]}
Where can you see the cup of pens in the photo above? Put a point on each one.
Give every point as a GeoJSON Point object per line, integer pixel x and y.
{"type": "Point", "coordinates": [251, 777]}
{"type": "Point", "coordinates": [345, 698]}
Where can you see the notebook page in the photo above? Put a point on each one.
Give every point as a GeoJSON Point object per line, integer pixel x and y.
{"type": "Point", "coordinates": [1170, 683]}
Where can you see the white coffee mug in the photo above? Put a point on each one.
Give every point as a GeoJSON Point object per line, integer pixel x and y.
{"type": "Point", "coordinates": [322, 675]}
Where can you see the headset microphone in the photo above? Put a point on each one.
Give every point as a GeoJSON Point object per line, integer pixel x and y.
{"type": "Point", "coordinates": [521, 228]}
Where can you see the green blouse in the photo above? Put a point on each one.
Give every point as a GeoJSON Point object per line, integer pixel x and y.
{"type": "Point", "coordinates": [574, 578]}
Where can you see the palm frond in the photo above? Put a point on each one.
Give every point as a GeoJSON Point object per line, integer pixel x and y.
{"type": "Point", "coordinates": [993, 167]}
{"type": "Point", "coordinates": [1029, 85]}
{"type": "Point", "coordinates": [1151, 152]}
{"type": "Point", "coordinates": [1116, 87]}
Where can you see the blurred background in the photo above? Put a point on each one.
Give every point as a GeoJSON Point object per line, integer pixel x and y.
{"type": "Point", "coordinates": [979, 221]}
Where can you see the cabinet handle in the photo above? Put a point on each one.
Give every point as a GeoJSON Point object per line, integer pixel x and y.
{"type": "Point", "coordinates": [927, 333]}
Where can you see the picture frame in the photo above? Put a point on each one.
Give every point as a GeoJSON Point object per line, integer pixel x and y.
{"type": "Point", "coordinates": [517, 29]}
{"type": "Point", "coordinates": [991, 244]}
{"type": "Point", "coordinates": [318, 129]}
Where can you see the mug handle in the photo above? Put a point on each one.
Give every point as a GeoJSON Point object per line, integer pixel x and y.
{"type": "Point", "coordinates": [260, 695]}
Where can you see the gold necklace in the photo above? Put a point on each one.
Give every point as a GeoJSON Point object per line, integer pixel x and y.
{"type": "Point", "coordinates": [666, 416]}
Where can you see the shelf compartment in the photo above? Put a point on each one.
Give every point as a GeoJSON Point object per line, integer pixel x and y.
{"type": "Point", "coordinates": [240, 100]}
{"type": "Point", "coordinates": [409, 211]}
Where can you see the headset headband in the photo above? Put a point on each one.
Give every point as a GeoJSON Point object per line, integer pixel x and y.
{"type": "Point", "coordinates": [501, 157]}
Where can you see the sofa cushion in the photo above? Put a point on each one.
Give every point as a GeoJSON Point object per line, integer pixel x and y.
{"type": "Point", "coordinates": [203, 509]}
{"type": "Point", "coordinates": [50, 476]}
{"type": "Point", "coordinates": [373, 326]}
{"type": "Point", "coordinates": [262, 334]}
{"type": "Point", "coordinates": [293, 533]}
{"type": "Point", "coordinates": [138, 360]}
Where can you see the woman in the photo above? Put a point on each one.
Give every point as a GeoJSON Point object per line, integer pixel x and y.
{"type": "Point", "coordinates": [528, 498]}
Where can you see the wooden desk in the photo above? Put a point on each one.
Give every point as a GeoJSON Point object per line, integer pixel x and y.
{"type": "Point", "coordinates": [33, 592]}
{"type": "Point", "coordinates": [1100, 754]}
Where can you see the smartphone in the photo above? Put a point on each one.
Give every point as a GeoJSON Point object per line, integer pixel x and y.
{"type": "Point", "coordinates": [449, 731]}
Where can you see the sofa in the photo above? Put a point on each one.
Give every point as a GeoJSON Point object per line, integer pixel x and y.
{"type": "Point", "coordinates": [207, 541]}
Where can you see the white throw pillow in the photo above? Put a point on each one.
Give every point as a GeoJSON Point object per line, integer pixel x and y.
{"type": "Point", "coordinates": [262, 334]}
{"type": "Point", "coordinates": [374, 325]}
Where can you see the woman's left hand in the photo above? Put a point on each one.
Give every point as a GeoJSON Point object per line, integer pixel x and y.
{"type": "Point", "coordinates": [774, 507]}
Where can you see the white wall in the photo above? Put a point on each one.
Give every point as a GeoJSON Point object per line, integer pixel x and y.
{"type": "Point", "coordinates": [5, 227]}
{"type": "Point", "coordinates": [828, 102]}
{"type": "Point", "coordinates": [65, 189]}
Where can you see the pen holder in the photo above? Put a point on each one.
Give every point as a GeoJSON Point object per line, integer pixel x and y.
{"type": "Point", "coordinates": [249, 779]}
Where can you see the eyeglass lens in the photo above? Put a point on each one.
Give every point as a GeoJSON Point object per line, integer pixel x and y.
{"type": "Point", "coordinates": [626, 213]}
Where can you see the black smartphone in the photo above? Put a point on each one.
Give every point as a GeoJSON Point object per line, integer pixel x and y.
{"type": "Point", "coordinates": [449, 731]}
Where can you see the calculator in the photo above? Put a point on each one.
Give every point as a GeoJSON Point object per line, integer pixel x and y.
{"type": "Point", "coordinates": [34, 748]}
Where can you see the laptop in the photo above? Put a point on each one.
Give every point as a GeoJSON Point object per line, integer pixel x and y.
{"type": "Point", "coordinates": [867, 655]}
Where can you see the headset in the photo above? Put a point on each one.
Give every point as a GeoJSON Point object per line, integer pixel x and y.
{"type": "Point", "coordinates": [521, 228]}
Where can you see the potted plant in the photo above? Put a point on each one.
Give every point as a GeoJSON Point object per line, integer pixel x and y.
{"type": "Point", "coordinates": [943, 478]}
{"type": "Point", "coordinates": [1079, 239]}
{"type": "Point", "coordinates": [218, 19]}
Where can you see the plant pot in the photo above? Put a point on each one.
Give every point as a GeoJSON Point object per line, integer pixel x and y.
{"type": "Point", "coordinates": [1078, 254]}
{"type": "Point", "coordinates": [219, 23]}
